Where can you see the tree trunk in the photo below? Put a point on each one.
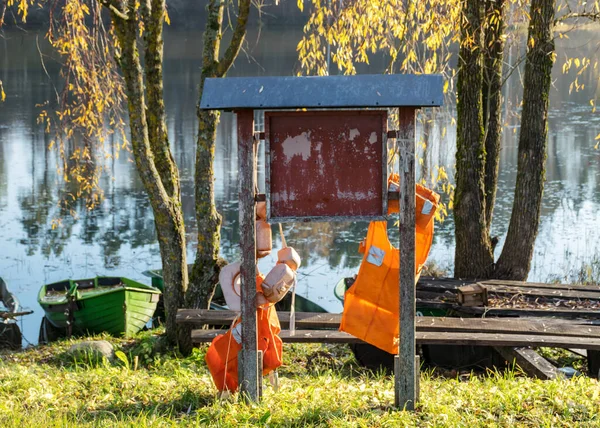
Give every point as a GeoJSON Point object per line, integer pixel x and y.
{"type": "Point", "coordinates": [515, 260]}
{"type": "Point", "coordinates": [207, 265]}
{"type": "Point", "coordinates": [166, 206]}
{"type": "Point", "coordinates": [492, 98]}
{"type": "Point", "coordinates": [473, 253]}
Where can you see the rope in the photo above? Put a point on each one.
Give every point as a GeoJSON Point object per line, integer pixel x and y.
{"type": "Point", "coordinates": [283, 243]}
{"type": "Point", "coordinates": [293, 306]}
{"type": "Point", "coordinates": [292, 327]}
{"type": "Point", "coordinates": [227, 355]}
{"type": "Point", "coordinates": [293, 311]}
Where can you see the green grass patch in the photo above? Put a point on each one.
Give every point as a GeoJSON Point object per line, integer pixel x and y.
{"type": "Point", "coordinates": [320, 385]}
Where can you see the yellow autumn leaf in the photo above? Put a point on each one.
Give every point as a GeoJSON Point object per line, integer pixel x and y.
{"type": "Point", "coordinates": [301, 5]}
{"type": "Point", "coordinates": [597, 137]}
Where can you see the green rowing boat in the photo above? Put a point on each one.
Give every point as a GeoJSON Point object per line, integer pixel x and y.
{"type": "Point", "coordinates": [118, 306]}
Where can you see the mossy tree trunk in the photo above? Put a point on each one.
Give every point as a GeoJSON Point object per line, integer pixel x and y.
{"type": "Point", "coordinates": [207, 265]}
{"type": "Point", "coordinates": [515, 260]}
{"type": "Point", "coordinates": [473, 253]}
{"type": "Point", "coordinates": [492, 98]}
{"type": "Point", "coordinates": [153, 158]}
{"type": "Point", "coordinates": [478, 140]}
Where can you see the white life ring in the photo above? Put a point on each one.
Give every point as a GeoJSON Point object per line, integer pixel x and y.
{"type": "Point", "coordinates": [231, 283]}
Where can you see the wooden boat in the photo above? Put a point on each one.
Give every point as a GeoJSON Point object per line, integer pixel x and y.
{"type": "Point", "coordinates": [9, 300]}
{"type": "Point", "coordinates": [301, 304]}
{"type": "Point", "coordinates": [425, 308]}
{"type": "Point", "coordinates": [115, 305]}
{"type": "Point", "coordinates": [10, 334]}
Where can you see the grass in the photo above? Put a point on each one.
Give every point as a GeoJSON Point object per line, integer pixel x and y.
{"type": "Point", "coordinates": [319, 386]}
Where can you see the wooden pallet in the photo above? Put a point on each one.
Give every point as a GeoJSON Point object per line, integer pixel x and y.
{"type": "Point", "coordinates": [441, 293]}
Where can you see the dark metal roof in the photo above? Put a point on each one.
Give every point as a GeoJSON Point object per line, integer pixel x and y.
{"type": "Point", "coordinates": [381, 90]}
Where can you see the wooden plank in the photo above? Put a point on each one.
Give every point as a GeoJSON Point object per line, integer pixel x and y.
{"type": "Point", "coordinates": [544, 292]}
{"type": "Point", "coordinates": [579, 352]}
{"type": "Point", "coordinates": [311, 320]}
{"type": "Point", "coordinates": [510, 325]}
{"type": "Point", "coordinates": [514, 287]}
{"type": "Point", "coordinates": [453, 283]}
{"type": "Point", "coordinates": [429, 338]}
{"type": "Point", "coordinates": [306, 320]}
{"type": "Point", "coordinates": [248, 365]}
{"type": "Point", "coordinates": [437, 284]}
{"type": "Point", "coordinates": [405, 388]}
{"type": "Point", "coordinates": [506, 283]}
{"type": "Point", "coordinates": [532, 363]}
{"type": "Point", "coordinates": [494, 339]}
{"type": "Point", "coordinates": [300, 336]}
{"type": "Point", "coordinates": [515, 312]}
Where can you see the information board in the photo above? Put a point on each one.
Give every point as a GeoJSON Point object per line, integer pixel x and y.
{"type": "Point", "coordinates": [326, 165]}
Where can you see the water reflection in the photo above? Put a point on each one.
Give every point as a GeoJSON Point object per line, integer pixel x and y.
{"type": "Point", "coordinates": [117, 238]}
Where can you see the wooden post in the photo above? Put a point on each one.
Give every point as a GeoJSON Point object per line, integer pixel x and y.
{"type": "Point", "coordinates": [249, 374]}
{"type": "Point", "coordinates": [406, 368]}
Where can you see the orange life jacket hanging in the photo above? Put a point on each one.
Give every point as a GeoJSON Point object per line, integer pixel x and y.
{"type": "Point", "coordinates": [371, 305]}
{"type": "Point", "coordinates": [222, 355]}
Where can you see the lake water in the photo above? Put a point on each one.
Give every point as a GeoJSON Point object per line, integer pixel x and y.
{"type": "Point", "coordinates": [118, 237]}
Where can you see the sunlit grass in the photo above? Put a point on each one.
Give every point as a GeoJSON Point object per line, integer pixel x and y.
{"type": "Point", "coordinates": [319, 386]}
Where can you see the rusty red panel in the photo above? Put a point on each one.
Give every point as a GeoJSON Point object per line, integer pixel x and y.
{"type": "Point", "coordinates": [326, 163]}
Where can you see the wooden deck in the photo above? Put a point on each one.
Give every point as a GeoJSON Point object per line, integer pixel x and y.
{"type": "Point", "coordinates": [528, 315]}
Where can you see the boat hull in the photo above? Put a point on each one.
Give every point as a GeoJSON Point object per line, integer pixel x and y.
{"type": "Point", "coordinates": [118, 310]}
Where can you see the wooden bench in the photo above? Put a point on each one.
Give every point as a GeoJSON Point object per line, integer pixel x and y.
{"type": "Point", "coordinates": [322, 327]}
{"type": "Point", "coordinates": [511, 337]}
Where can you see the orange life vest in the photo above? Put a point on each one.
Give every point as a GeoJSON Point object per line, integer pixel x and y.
{"type": "Point", "coordinates": [372, 304]}
{"type": "Point", "coordinates": [222, 355]}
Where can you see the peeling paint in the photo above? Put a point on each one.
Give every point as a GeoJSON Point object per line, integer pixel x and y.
{"type": "Point", "coordinates": [355, 196]}
{"type": "Point", "coordinates": [373, 137]}
{"type": "Point", "coordinates": [297, 146]}
{"type": "Point", "coordinates": [354, 133]}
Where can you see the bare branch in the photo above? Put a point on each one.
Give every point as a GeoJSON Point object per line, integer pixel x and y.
{"type": "Point", "coordinates": [572, 15]}
{"type": "Point", "coordinates": [113, 5]}
{"type": "Point", "coordinates": [238, 38]}
{"type": "Point", "coordinates": [37, 44]}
